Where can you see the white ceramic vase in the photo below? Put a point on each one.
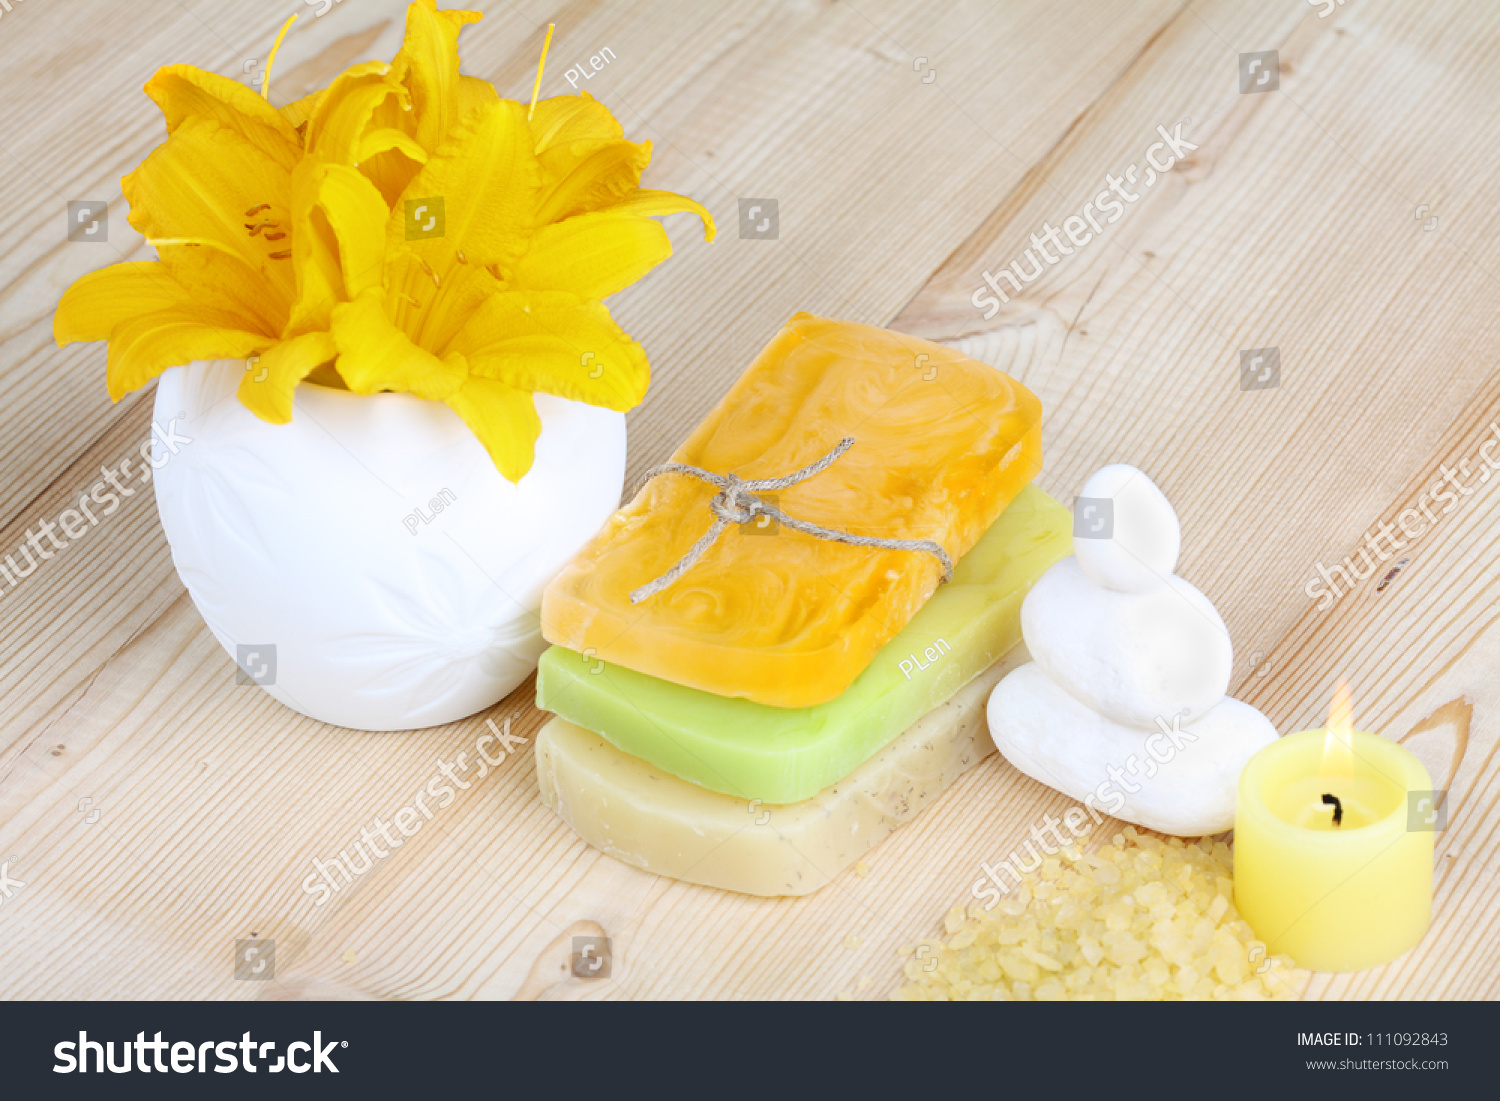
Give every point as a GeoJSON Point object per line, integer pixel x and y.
{"type": "Point", "coordinates": [366, 563]}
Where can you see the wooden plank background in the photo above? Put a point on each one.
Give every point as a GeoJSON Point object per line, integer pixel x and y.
{"type": "Point", "coordinates": [1304, 221]}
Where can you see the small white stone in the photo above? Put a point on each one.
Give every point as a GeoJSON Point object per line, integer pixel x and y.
{"type": "Point", "coordinates": [1144, 536]}
{"type": "Point", "coordinates": [1129, 656]}
{"type": "Point", "coordinates": [1184, 777]}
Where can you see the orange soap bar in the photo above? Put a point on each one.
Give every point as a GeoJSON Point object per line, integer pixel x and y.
{"type": "Point", "coordinates": [942, 444]}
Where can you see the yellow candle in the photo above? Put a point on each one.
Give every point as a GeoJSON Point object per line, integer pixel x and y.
{"type": "Point", "coordinates": [1334, 895]}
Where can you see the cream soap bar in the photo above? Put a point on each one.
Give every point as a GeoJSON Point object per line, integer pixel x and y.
{"type": "Point", "coordinates": [786, 755]}
{"type": "Point", "coordinates": [646, 817]}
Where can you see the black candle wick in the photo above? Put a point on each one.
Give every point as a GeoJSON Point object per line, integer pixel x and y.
{"type": "Point", "coordinates": [1338, 808]}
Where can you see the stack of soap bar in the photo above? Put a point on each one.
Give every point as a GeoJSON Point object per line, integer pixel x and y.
{"type": "Point", "coordinates": [786, 755]}
{"type": "Point", "coordinates": [942, 444]}
{"type": "Point", "coordinates": [649, 818]}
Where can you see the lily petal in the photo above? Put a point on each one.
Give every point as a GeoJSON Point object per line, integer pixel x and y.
{"type": "Point", "coordinates": [383, 140]}
{"type": "Point", "coordinates": [214, 276]}
{"type": "Point", "coordinates": [185, 277]}
{"type": "Point", "coordinates": [561, 120]}
{"type": "Point", "coordinates": [374, 355]}
{"type": "Point", "coordinates": [586, 176]}
{"type": "Point", "coordinates": [428, 65]}
{"type": "Point", "coordinates": [96, 303]}
{"type": "Point", "coordinates": [299, 111]}
{"type": "Point", "coordinates": [592, 255]}
{"type": "Point", "coordinates": [143, 347]}
{"type": "Point", "coordinates": [358, 216]}
{"type": "Point", "coordinates": [556, 343]}
{"type": "Point", "coordinates": [184, 92]}
{"type": "Point", "coordinates": [487, 176]}
{"type": "Point", "coordinates": [474, 93]}
{"type": "Point", "coordinates": [268, 384]}
{"type": "Point", "coordinates": [345, 112]}
{"type": "Point", "coordinates": [390, 161]}
{"type": "Point", "coordinates": [200, 184]}
{"type": "Point", "coordinates": [505, 420]}
{"type": "Point", "coordinates": [392, 169]}
{"type": "Point", "coordinates": [338, 240]}
{"type": "Point", "coordinates": [315, 254]}
{"type": "Point", "coordinates": [653, 204]}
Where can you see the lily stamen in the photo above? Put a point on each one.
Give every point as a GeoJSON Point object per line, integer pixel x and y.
{"type": "Point", "coordinates": [265, 80]}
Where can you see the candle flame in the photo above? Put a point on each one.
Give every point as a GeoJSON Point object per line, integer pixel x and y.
{"type": "Point", "coordinates": [1338, 742]}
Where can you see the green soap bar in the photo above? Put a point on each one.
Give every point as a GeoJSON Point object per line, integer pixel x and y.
{"type": "Point", "coordinates": [785, 755]}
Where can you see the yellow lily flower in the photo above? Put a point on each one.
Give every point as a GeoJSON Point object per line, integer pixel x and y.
{"type": "Point", "coordinates": [282, 234]}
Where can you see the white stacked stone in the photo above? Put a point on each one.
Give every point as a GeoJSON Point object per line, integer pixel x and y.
{"type": "Point", "coordinates": [1126, 687]}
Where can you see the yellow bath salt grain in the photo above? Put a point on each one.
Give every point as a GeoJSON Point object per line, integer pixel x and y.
{"type": "Point", "coordinates": [1144, 918]}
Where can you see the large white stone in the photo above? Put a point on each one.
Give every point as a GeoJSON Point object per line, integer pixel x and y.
{"type": "Point", "coordinates": [321, 538]}
{"type": "Point", "coordinates": [1130, 656]}
{"type": "Point", "coordinates": [1184, 779]}
{"type": "Point", "coordinates": [1141, 551]}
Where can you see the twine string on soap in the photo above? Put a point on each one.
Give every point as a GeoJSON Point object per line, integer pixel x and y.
{"type": "Point", "coordinates": [737, 503]}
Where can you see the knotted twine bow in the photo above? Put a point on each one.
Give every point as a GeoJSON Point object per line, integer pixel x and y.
{"type": "Point", "coordinates": [737, 503]}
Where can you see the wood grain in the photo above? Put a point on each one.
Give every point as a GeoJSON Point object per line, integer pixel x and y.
{"type": "Point", "coordinates": [1293, 225]}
